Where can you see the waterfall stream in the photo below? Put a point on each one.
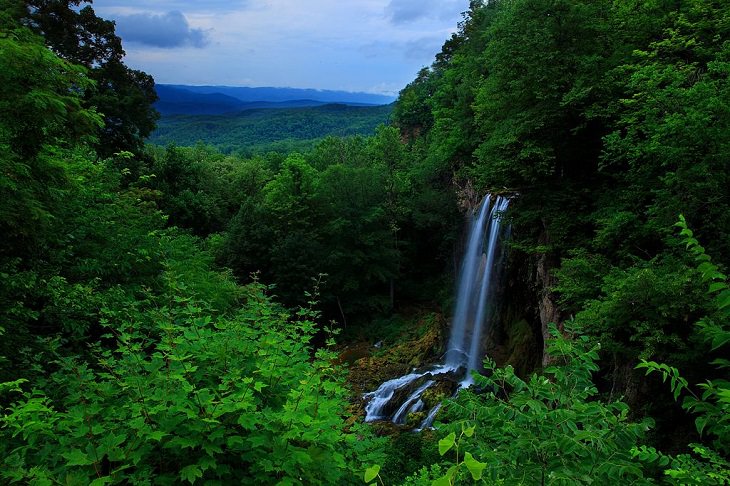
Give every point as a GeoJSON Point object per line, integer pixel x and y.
{"type": "Point", "coordinates": [475, 304]}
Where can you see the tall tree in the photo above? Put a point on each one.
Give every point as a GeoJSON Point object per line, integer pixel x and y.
{"type": "Point", "coordinates": [40, 112]}
{"type": "Point", "coordinates": [123, 96]}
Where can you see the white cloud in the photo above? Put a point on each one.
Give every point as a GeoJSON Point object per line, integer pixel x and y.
{"type": "Point", "coordinates": [164, 30]}
{"type": "Point", "coordinates": [327, 44]}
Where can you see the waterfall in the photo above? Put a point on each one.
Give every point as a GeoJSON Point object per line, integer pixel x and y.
{"type": "Point", "coordinates": [474, 297]}
{"type": "Point", "coordinates": [474, 310]}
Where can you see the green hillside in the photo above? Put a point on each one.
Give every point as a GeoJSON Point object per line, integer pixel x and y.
{"type": "Point", "coordinates": [264, 130]}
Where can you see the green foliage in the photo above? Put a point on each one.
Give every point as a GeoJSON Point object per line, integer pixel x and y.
{"type": "Point", "coordinates": [40, 112]}
{"type": "Point", "coordinates": [549, 429]}
{"type": "Point", "coordinates": [39, 98]}
{"type": "Point", "coordinates": [474, 467]}
{"type": "Point", "coordinates": [126, 357]}
{"type": "Point", "coordinates": [704, 467]}
{"type": "Point", "coordinates": [123, 96]}
{"type": "Point", "coordinates": [672, 128]}
{"type": "Point", "coordinates": [130, 359]}
{"type": "Point", "coordinates": [231, 399]}
{"type": "Point", "coordinates": [412, 113]}
{"type": "Point", "coordinates": [608, 118]}
{"type": "Point", "coordinates": [352, 210]}
{"type": "Point", "coordinates": [200, 188]}
{"type": "Point", "coordinates": [711, 403]}
{"type": "Point", "coordinates": [543, 60]}
{"type": "Point", "coordinates": [636, 310]}
{"type": "Point", "coordinates": [406, 453]}
{"type": "Point", "coordinates": [73, 243]}
{"type": "Point", "coordinates": [258, 131]}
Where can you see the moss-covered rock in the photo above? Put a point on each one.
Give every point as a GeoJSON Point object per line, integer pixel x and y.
{"type": "Point", "coordinates": [414, 419]}
{"type": "Point", "coordinates": [421, 343]}
{"type": "Point", "coordinates": [444, 388]}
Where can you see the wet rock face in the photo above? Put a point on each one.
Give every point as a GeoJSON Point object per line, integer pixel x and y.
{"type": "Point", "coordinates": [516, 338]}
{"type": "Point", "coordinates": [548, 309]}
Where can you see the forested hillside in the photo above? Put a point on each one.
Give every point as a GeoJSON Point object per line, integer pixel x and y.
{"type": "Point", "coordinates": [260, 130]}
{"type": "Point", "coordinates": [212, 314]}
{"type": "Point", "coordinates": [607, 121]}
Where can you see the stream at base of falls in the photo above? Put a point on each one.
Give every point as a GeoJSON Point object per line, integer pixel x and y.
{"type": "Point", "coordinates": [476, 301]}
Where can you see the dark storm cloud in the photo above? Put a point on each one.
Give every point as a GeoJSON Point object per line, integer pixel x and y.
{"type": "Point", "coordinates": [165, 30]}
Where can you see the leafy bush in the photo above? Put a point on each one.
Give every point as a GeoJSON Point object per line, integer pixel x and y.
{"type": "Point", "coordinates": [712, 405]}
{"type": "Point", "coordinates": [242, 399]}
{"type": "Point", "coordinates": [550, 429]}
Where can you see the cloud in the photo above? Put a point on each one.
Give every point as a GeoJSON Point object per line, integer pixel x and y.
{"type": "Point", "coordinates": [353, 45]}
{"type": "Point", "coordinates": [424, 48]}
{"type": "Point", "coordinates": [170, 5]}
{"type": "Point", "coordinates": [405, 11]}
{"type": "Point", "coordinates": [421, 50]}
{"type": "Point", "coordinates": [167, 30]}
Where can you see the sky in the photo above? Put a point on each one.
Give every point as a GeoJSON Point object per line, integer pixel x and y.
{"type": "Point", "coordinates": [375, 46]}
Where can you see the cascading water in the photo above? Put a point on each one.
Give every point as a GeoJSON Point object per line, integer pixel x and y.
{"type": "Point", "coordinates": [475, 303]}
{"type": "Point", "coordinates": [475, 295]}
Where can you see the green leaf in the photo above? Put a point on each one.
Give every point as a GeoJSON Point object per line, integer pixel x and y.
{"type": "Point", "coordinates": [12, 386]}
{"type": "Point", "coordinates": [190, 473]}
{"type": "Point", "coordinates": [714, 287]}
{"type": "Point", "coordinates": [101, 481]}
{"type": "Point", "coordinates": [77, 458]}
{"type": "Point", "coordinates": [469, 431]}
{"type": "Point", "coordinates": [447, 443]}
{"type": "Point", "coordinates": [723, 300]}
{"type": "Point", "coordinates": [157, 435]}
{"type": "Point", "coordinates": [701, 422]}
{"type": "Point", "coordinates": [442, 481]}
{"type": "Point", "coordinates": [371, 473]}
{"type": "Point", "coordinates": [475, 467]}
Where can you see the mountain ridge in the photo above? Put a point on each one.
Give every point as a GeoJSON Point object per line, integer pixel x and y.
{"type": "Point", "coordinates": [270, 93]}
{"type": "Point", "coordinates": [215, 100]}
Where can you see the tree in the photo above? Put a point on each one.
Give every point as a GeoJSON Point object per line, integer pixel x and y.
{"type": "Point", "coordinates": [388, 154]}
{"type": "Point", "coordinates": [41, 112]}
{"type": "Point", "coordinates": [123, 96]}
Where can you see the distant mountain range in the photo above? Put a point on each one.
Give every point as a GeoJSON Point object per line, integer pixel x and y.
{"type": "Point", "coordinates": [217, 100]}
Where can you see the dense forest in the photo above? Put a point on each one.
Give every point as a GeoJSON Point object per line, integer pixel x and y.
{"type": "Point", "coordinates": [183, 314]}
{"type": "Point", "coordinates": [256, 131]}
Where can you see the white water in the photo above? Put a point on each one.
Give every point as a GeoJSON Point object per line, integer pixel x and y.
{"type": "Point", "coordinates": [428, 421]}
{"type": "Point", "coordinates": [407, 407]}
{"type": "Point", "coordinates": [380, 398]}
{"type": "Point", "coordinates": [484, 303]}
{"type": "Point", "coordinates": [473, 312]}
